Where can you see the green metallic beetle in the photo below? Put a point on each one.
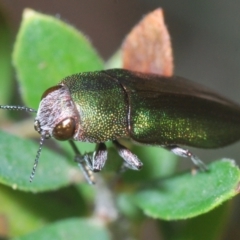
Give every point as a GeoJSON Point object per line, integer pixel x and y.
{"type": "Point", "coordinates": [149, 109]}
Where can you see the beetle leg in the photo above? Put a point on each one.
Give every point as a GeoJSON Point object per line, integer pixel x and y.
{"type": "Point", "coordinates": [88, 174]}
{"type": "Point", "coordinates": [130, 160]}
{"type": "Point", "coordinates": [186, 153]}
{"type": "Point", "coordinates": [97, 160]}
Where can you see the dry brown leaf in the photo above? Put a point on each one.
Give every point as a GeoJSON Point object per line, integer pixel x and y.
{"type": "Point", "coordinates": [147, 48]}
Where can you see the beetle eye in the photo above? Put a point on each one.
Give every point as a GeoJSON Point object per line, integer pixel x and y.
{"type": "Point", "coordinates": [49, 90]}
{"type": "Point", "coordinates": [64, 130]}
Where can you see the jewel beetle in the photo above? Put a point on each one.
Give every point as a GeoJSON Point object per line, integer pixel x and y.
{"type": "Point", "coordinates": [149, 109]}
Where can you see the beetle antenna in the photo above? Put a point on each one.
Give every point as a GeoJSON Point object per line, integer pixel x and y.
{"type": "Point", "coordinates": [37, 158]}
{"type": "Point", "coordinates": [18, 108]}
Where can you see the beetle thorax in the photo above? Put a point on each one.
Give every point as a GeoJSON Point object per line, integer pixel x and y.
{"type": "Point", "coordinates": [53, 109]}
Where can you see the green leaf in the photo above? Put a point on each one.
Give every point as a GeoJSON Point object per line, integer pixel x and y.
{"type": "Point", "coordinates": [17, 158]}
{"type": "Point", "coordinates": [70, 229]}
{"type": "Point", "coordinates": [46, 51]}
{"type": "Point", "coordinates": [26, 212]}
{"type": "Point", "coordinates": [186, 195]}
{"type": "Point", "coordinates": [200, 227]}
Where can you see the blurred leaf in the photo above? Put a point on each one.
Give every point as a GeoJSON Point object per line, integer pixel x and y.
{"type": "Point", "coordinates": [25, 212]}
{"type": "Point", "coordinates": [115, 61]}
{"type": "Point", "coordinates": [46, 51]}
{"type": "Point", "coordinates": [17, 158]}
{"type": "Point", "coordinates": [188, 195]}
{"type": "Point", "coordinates": [70, 229]}
{"type": "Point", "coordinates": [127, 207]}
{"type": "Point", "coordinates": [147, 48]}
{"type": "Point", "coordinates": [5, 62]}
{"type": "Point", "coordinates": [200, 227]}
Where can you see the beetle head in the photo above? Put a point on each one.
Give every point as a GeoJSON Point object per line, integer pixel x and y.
{"type": "Point", "coordinates": [57, 115]}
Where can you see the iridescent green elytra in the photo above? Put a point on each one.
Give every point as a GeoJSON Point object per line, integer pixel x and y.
{"type": "Point", "coordinates": [149, 109]}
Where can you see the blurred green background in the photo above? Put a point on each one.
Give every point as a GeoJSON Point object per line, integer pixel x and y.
{"type": "Point", "coordinates": [205, 38]}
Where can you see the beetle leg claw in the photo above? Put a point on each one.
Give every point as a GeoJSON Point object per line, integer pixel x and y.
{"type": "Point", "coordinates": [186, 153]}
{"type": "Point", "coordinates": [97, 160]}
{"type": "Point", "coordinates": [88, 174]}
{"type": "Point", "coordinates": [131, 161]}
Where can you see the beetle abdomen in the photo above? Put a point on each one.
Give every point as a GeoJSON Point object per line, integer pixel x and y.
{"type": "Point", "coordinates": [184, 120]}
